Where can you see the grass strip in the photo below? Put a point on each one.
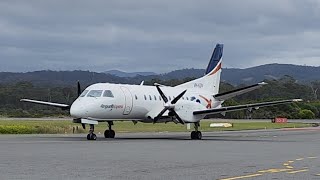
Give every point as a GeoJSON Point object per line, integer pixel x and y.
{"type": "Point", "coordinates": [67, 127]}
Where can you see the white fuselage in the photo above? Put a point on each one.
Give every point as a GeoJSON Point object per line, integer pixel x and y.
{"type": "Point", "coordinates": [138, 102]}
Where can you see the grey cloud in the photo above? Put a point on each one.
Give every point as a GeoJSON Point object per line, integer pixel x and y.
{"type": "Point", "coordinates": [155, 36]}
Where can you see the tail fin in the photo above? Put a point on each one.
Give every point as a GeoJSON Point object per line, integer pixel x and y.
{"type": "Point", "coordinates": [211, 80]}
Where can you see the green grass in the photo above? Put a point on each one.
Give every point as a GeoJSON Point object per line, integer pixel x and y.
{"type": "Point", "coordinates": [62, 127]}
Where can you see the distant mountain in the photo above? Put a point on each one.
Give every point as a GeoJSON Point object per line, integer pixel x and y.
{"type": "Point", "coordinates": [254, 74]}
{"type": "Point", "coordinates": [302, 74]}
{"type": "Point", "coordinates": [271, 71]}
{"type": "Point", "coordinates": [126, 74]}
{"type": "Point", "coordinates": [60, 78]}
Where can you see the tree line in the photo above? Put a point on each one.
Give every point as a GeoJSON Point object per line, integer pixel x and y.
{"type": "Point", "coordinates": [284, 88]}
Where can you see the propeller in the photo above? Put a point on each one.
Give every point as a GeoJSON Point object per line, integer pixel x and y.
{"type": "Point", "coordinates": [169, 105]}
{"type": "Point", "coordinates": [79, 88]}
{"type": "Point", "coordinates": [79, 93]}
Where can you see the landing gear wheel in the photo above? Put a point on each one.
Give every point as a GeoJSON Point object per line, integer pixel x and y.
{"type": "Point", "coordinates": [109, 133]}
{"type": "Point", "coordinates": [106, 133]}
{"type": "Point", "coordinates": [193, 134]}
{"type": "Point", "coordinates": [91, 136]}
{"type": "Point", "coordinates": [112, 134]}
{"type": "Point", "coordinates": [196, 135]}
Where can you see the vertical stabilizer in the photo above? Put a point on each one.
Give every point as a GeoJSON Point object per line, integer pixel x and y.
{"type": "Point", "coordinates": [211, 80]}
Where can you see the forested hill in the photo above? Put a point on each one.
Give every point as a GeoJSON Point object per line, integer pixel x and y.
{"type": "Point", "coordinates": [271, 71]}
{"type": "Point", "coordinates": [302, 74]}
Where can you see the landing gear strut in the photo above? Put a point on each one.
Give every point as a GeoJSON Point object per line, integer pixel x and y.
{"type": "Point", "coordinates": [196, 134]}
{"type": "Point", "coordinates": [109, 133]}
{"type": "Point", "coordinates": [91, 135]}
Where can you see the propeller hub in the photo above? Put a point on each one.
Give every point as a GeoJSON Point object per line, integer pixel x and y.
{"type": "Point", "coordinates": [169, 106]}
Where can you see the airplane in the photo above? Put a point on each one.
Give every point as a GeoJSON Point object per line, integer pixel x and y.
{"type": "Point", "coordinates": [189, 102]}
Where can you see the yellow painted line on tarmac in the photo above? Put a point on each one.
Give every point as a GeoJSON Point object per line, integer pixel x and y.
{"type": "Point", "coordinates": [289, 167]}
{"type": "Point", "coordinates": [286, 164]}
{"type": "Point", "coordinates": [273, 170]}
{"type": "Point", "coordinates": [317, 174]}
{"type": "Point", "coordinates": [290, 161]}
{"type": "Point", "coordinates": [242, 177]}
{"type": "Point", "coordinates": [300, 159]}
{"type": "Point", "coordinates": [298, 171]}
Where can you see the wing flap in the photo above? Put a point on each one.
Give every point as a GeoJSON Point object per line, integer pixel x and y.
{"type": "Point", "coordinates": [236, 92]}
{"type": "Point", "coordinates": [63, 106]}
{"type": "Point", "coordinates": [241, 107]}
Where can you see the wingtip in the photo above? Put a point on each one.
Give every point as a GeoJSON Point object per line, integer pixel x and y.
{"type": "Point", "coordinates": [262, 83]}
{"type": "Point", "coordinates": [297, 100]}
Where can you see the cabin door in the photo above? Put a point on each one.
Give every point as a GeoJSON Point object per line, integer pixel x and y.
{"type": "Point", "coordinates": [128, 100]}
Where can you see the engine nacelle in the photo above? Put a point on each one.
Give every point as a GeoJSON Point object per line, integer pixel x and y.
{"type": "Point", "coordinates": [185, 111]}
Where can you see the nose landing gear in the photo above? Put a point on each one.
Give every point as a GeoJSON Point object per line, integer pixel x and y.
{"type": "Point", "coordinates": [91, 135]}
{"type": "Point", "coordinates": [109, 133]}
{"type": "Point", "coordinates": [196, 134]}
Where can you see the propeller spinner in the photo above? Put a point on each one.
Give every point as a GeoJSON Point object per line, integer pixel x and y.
{"type": "Point", "coordinates": [169, 106]}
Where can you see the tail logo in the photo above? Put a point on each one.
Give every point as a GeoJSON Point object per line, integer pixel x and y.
{"type": "Point", "coordinates": [209, 102]}
{"type": "Point", "coordinates": [215, 70]}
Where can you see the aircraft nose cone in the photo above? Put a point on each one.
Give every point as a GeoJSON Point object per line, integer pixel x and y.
{"type": "Point", "coordinates": [77, 110]}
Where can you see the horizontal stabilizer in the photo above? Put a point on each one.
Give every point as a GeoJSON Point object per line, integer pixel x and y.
{"type": "Point", "coordinates": [241, 107]}
{"type": "Point", "coordinates": [63, 106]}
{"type": "Point", "coordinates": [230, 94]}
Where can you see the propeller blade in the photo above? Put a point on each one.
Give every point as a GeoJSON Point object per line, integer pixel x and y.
{"type": "Point", "coordinates": [176, 99]}
{"type": "Point", "coordinates": [160, 114]}
{"type": "Point", "coordinates": [165, 99]}
{"type": "Point", "coordinates": [177, 116]}
{"type": "Point", "coordinates": [79, 88]}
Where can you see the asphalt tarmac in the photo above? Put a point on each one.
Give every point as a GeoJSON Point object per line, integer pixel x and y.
{"type": "Point", "coordinates": [275, 154]}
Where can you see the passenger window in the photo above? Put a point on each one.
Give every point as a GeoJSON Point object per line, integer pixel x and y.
{"type": "Point", "coordinates": [155, 98]}
{"type": "Point", "coordinates": [160, 98]}
{"type": "Point", "coordinates": [145, 97]}
{"type": "Point", "coordinates": [182, 97]}
{"type": "Point", "coordinates": [187, 98]}
{"type": "Point", "coordinates": [150, 97]}
{"type": "Point", "coordinates": [84, 93]}
{"type": "Point", "coordinates": [136, 97]}
{"type": "Point", "coordinates": [170, 98]}
{"type": "Point", "coordinates": [95, 93]}
{"type": "Point", "coordinates": [107, 93]}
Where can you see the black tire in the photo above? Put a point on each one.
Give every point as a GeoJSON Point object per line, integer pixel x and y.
{"type": "Point", "coordinates": [199, 135]}
{"type": "Point", "coordinates": [112, 134]}
{"type": "Point", "coordinates": [91, 136]}
{"type": "Point", "coordinates": [94, 137]}
{"type": "Point", "coordinates": [193, 135]}
{"type": "Point", "coordinates": [106, 133]}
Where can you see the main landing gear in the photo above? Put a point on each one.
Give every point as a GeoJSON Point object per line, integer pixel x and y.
{"type": "Point", "coordinates": [91, 135]}
{"type": "Point", "coordinates": [196, 134]}
{"type": "Point", "coordinates": [109, 133]}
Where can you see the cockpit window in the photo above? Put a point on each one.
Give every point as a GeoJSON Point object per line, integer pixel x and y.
{"type": "Point", "coordinates": [94, 93]}
{"type": "Point", "coordinates": [84, 93]}
{"type": "Point", "coordinates": [107, 93]}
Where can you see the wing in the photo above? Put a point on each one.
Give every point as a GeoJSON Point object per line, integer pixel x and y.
{"type": "Point", "coordinates": [236, 92]}
{"type": "Point", "coordinates": [63, 106]}
{"type": "Point", "coordinates": [241, 107]}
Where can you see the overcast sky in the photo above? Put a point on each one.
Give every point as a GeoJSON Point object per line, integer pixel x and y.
{"type": "Point", "coordinates": [158, 36]}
